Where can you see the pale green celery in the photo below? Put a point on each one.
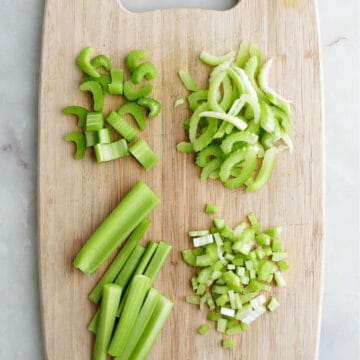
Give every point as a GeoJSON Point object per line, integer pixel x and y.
{"type": "Point", "coordinates": [120, 260]}
{"type": "Point", "coordinates": [153, 329]}
{"type": "Point", "coordinates": [138, 290]}
{"type": "Point", "coordinates": [134, 207]}
{"type": "Point", "coordinates": [105, 326]}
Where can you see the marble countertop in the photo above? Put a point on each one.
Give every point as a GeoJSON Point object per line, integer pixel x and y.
{"type": "Point", "coordinates": [20, 32]}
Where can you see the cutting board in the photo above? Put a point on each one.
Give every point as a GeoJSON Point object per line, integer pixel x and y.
{"type": "Point", "coordinates": [75, 196]}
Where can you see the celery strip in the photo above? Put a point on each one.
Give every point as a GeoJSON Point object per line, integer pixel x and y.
{"type": "Point", "coordinates": [158, 260]}
{"type": "Point", "coordinates": [212, 60]}
{"type": "Point", "coordinates": [138, 290]}
{"type": "Point", "coordinates": [188, 81]}
{"type": "Point", "coordinates": [126, 273]}
{"type": "Point", "coordinates": [79, 139]}
{"type": "Point", "coordinates": [120, 260]}
{"type": "Point", "coordinates": [105, 326]}
{"type": "Point", "coordinates": [146, 258]}
{"type": "Point", "coordinates": [153, 329]}
{"type": "Point", "coordinates": [142, 321]}
{"type": "Point", "coordinates": [134, 207]}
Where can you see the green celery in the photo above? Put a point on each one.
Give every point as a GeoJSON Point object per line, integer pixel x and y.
{"type": "Point", "coordinates": [152, 331]}
{"type": "Point", "coordinates": [138, 290]}
{"type": "Point", "coordinates": [120, 260]}
{"type": "Point", "coordinates": [146, 258]}
{"type": "Point", "coordinates": [203, 329]}
{"type": "Point", "coordinates": [134, 207]}
{"type": "Point", "coordinates": [105, 326]}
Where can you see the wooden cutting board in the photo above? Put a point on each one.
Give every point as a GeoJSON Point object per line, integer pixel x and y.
{"type": "Point", "coordinates": [75, 196]}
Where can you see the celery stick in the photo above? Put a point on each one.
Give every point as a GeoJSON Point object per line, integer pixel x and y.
{"type": "Point", "coordinates": [133, 208]}
{"type": "Point", "coordinates": [129, 268]}
{"type": "Point", "coordinates": [146, 258]}
{"type": "Point", "coordinates": [158, 260]}
{"type": "Point", "coordinates": [120, 260]}
{"type": "Point", "coordinates": [138, 290]}
{"type": "Point", "coordinates": [109, 306]}
{"type": "Point", "coordinates": [142, 320]}
{"type": "Point", "coordinates": [153, 329]}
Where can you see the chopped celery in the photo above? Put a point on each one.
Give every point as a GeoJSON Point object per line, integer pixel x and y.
{"type": "Point", "coordinates": [221, 325]}
{"type": "Point", "coordinates": [203, 329]}
{"type": "Point", "coordinates": [196, 233]}
{"type": "Point", "coordinates": [273, 304]}
{"type": "Point", "coordinates": [144, 154]}
{"type": "Point", "coordinates": [193, 299]}
{"type": "Point", "coordinates": [229, 343]}
{"type": "Point", "coordinates": [211, 209]}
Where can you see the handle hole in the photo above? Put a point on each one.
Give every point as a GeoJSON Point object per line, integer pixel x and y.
{"type": "Point", "coordinates": [141, 5]}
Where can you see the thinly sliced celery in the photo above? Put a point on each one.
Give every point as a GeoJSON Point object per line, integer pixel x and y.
{"type": "Point", "coordinates": [101, 61]}
{"type": "Point", "coordinates": [243, 54]}
{"type": "Point", "coordinates": [187, 80]}
{"type": "Point", "coordinates": [120, 260]}
{"type": "Point", "coordinates": [138, 290]}
{"type": "Point", "coordinates": [134, 207]}
{"type": "Point", "coordinates": [273, 97]}
{"type": "Point", "coordinates": [153, 329]}
{"type": "Point", "coordinates": [239, 136]}
{"type": "Point", "coordinates": [265, 171]}
{"type": "Point", "coordinates": [105, 326]}
{"type": "Point", "coordinates": [213, 91]}
{"type": "Point", "coordinates": [238, 123]}
{"type": "Point", "coordinates": [197, 98]}
{"type": "Point", "coordinates": [142, 321]}
{"type": "Point", "coordinates": [212, 60]}
{"type": "Point", "coordinates": [144, 154]}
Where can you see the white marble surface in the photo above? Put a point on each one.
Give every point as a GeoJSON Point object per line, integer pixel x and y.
{"type": "Point", "coordinates": [20, 26]}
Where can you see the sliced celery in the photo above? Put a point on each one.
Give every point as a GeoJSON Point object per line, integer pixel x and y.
{"type": "Point", "coordinates": [144, 154]}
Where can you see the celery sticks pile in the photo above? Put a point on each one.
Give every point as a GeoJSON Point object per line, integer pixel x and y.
{"type": "Point", "coordinates": [101, 79]}
{"type": "Point", "coordinates": [132, 312]}
{"type": "Point", "coordinates": [239, 123]}
{"type": "Point", "coordinates": [235, 270]}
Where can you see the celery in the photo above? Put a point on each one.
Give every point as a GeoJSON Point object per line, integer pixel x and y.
{"type": "Point", "coordinates": [117, 226]}
{"type": "Point", "coordinates": [228, 343]}
{"type": "Point", "coordinates": [120, 260]}
{"type": "Point", "coordinates": [142, 321]}
{"type": "Point", "coordinates": [108, 309]}
{"type": "Point", "coordinates": [211, 209]}
{"type": "Point", "coordinates": [144, 154]}
{"type": "Point", "coordinates": [152, 331]}
{"type": "Point", "coordinates": [138, 290]}
{"type": "Point", "coordinates": [203, 329]}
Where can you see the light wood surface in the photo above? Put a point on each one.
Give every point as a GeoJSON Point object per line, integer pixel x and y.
{"type": "Point", "coordinates": [75, 196]}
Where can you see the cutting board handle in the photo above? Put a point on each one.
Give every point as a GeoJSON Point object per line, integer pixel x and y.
{"type": "Point", "coordinates": [123, 9]}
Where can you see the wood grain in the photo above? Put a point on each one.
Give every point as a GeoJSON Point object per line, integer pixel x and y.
{"type": "Point", "coordinates": [75, 196]}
